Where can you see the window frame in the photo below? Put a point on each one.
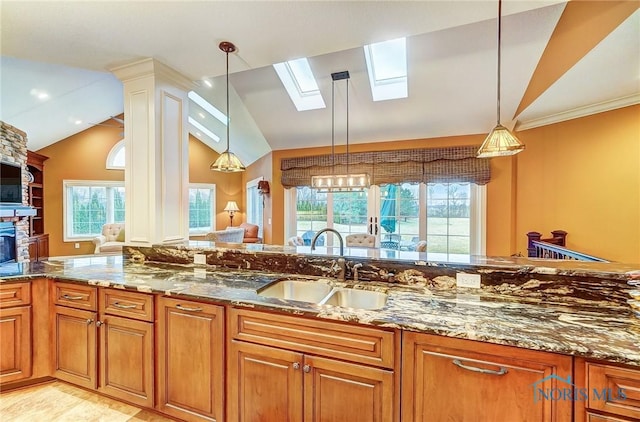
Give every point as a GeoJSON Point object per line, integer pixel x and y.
{"type": "Point", "coordinates": [115, 150]}
{"type": "Point", "coordinates": [253, 184]}
{"type": "Point", "coordinates": [66, 224]}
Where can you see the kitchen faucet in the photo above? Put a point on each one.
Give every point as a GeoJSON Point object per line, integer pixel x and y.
{"type": "Point", "coordinates": [341, 261]}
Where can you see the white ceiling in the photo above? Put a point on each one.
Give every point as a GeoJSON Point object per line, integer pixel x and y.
{"type": "Point", "coordinates": [67, 47]}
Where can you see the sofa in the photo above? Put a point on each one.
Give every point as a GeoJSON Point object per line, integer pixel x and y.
{"type": "Point", "coordinates": [360, 240]}
{"type": "Point", "coordinates": [111, 238]}
{"type": "Point", "coordinates": [229, 235]}
{"type": "Point", "coordinates": [250, 233]}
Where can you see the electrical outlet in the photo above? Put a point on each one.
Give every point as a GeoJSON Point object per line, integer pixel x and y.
{"type": "Point", "coordinates": [269, 221]}
{"type": "Point", "coordinates": [200, 272]}
{"type": "Point", "coordinates": [468, 280]}
{"type": "Point", "coordinates": [76, 245]}
{"type": "Point", "coordinates": [200, 258]}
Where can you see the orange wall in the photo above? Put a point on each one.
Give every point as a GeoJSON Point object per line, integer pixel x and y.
{"type": "Point", "coordinates": [83, 157]}
{"type": "Point", "coordinates": [500, 191]}
{"type": "Point", "coordinates": [583, 176]}
{"type": "Point", "coordinates": [261, 168]}
{"type": "Point", "coordinates": [229, 186]}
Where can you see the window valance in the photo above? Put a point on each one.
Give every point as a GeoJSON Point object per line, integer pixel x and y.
{"type": "Point", "coordinates": [428, 165]}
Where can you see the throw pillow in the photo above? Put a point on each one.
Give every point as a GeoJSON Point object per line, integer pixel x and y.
{"type": "Point", "coordinates": [120, 237]}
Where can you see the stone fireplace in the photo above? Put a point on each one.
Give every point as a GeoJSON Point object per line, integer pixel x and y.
{"type": "Point", "coordinates": [13, 149]}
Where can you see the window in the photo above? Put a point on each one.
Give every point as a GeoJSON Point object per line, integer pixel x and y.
{"type": "Point", "coordinates": [116, 157]}
{"type": "Point", "coordinates": [202, 205]}
{"type": "Point", "coordinates": [255, 206]}
{"type": "Point", "coordinates": [387, 68]}
{"type": "Point", "coordinates": [449, 216]}
{"type": "Point", "coordinates": [301, 85]}
{"type": "Point", "coordinates": [88, 205]}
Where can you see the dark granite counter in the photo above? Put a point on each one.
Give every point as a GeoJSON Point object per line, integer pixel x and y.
{"type": "Point", "coordinates": [541, 314]}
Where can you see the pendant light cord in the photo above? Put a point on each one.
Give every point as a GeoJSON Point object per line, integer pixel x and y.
{"type": "Point", "coordinates": [348, 127]}
{"type": "Point", "coordinates": [499, 42]}
{"type": "Point", "coordinates": [333, 126]}
{"type": "Point", "coordinates": [228, 119]}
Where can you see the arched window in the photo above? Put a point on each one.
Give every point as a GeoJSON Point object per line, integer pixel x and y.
{"type": "Point", "coordinates": [115, 159]}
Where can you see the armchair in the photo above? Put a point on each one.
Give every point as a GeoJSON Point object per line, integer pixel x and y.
{"type": "Point", "coordinates": [111, 239]}
{"type": "Point", "coordinates": [250, 233]}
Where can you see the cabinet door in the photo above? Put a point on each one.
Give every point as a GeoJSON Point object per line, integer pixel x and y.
{"type": "Point", "coordinates": [126, 359]}
{"type": "Point", "coordinates": [75, 346]}
{"type": "Point", "coordinates": [337, 391]}
{"type": "Point", "coordinates": [15, 343]}
{"type": "Point", "coordinates": [190, 359]}
{"type": "Point", "coordinates": [463, 380]}
{"type": "Point", "coordinates": [264, 384]}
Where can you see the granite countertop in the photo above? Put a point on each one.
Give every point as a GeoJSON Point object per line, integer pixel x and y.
{"type": "Point", "coordinates": [596, 329]}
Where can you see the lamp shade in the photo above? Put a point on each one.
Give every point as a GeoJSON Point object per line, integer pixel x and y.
{"type": "Point", "coordinates": [500, 142]}
{"type": "Point", "coordinates": [231, 207]}
{"type": "Point", "coordinates": [227, 162]}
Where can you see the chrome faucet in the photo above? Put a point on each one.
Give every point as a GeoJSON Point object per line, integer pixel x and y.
{"type": "Point", "coordinates": [341, 261]}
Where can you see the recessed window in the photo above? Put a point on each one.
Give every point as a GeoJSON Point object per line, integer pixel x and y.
{"type": "Point", "coordinates": [301, 85]}
{"type": "Point", "coordinates": [208, 107]}
{"type": "Point", "coordinates": [203, 129]}
{"type": "Point", "coordinates": [387, 68]}
{"type": "Point", "coordinates": [116, 157]}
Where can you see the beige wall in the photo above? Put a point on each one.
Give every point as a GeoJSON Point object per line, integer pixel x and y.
{"type": "Point", "coordinates": [83, 157]}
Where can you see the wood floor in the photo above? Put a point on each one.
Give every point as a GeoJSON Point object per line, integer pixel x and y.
{"type": "Point", "coordinates": [58, 401]}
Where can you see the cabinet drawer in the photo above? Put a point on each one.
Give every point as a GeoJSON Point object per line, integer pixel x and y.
{"type": "Point", "coordinates": [592, 417]}
{"type": "Point", "coordinates": [354, 343]}
{"type": "Point", "coordinates": [14, 294]}
{"type": "Point", "coordinates": [127, 304]}
{"type": "Point", "coordinates": [75, 296]}
{"type": "Point", "coordinates": [609, 381]}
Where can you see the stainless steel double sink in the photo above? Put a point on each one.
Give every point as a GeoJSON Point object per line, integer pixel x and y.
{"type": "Point", "coordinates": [324, 294]}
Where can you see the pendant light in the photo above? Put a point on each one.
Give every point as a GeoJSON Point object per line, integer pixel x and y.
{"type": "Point", "coordinates": [227, 162]}
{"type": "Point", "coordinates": [500, 141]}
{"type": "Point", "coordinates": [342, 182]}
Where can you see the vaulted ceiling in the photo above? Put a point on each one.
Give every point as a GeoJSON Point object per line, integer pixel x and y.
{"type": "Point", "coordinates": [560, 60]}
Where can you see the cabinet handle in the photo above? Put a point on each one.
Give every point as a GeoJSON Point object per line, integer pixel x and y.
{"type": "Point", "coordinates": [306, 369]}
{"type": "Point", "coordinates": [99, 323]}
{"type": "Point", "coordinates": [65, 296]}
{"type": "Point", "coordinates": [296, 365]}
{"type": "Point", "coordinates": [121, 306]}
{"type": "Point", "coordinates": [89, 321]}
{"type": "Point", "coordinates": [501, 371]}
{"type": "Point", "coordinates": [186, 308]}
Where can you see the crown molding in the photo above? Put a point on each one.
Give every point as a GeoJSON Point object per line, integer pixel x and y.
{"type": "Point", "coordinates": [580, 112]}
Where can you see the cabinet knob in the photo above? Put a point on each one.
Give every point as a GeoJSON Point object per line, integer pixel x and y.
{"type": "Point", "coordinates": [99, 323]}
{"type": "Point", "coordinates": [89, 321]}
{"type": "Point", "coordinates": [296, 365]}
{"type": "Point", "coordinates": [306, 368]}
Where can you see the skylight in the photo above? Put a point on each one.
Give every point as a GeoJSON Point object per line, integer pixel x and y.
{"type": "Point", "coordinates": [208, 107]}
{"type": "Point", "coordinates": [203, 129]}
{"type": "Point", "coordinates": [301, 85]}
{"type": "Point", "coordinates": [387, 67]}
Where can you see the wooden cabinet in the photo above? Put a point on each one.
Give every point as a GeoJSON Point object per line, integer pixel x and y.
{"type": "Point", "coordinates": [38, 240]}
{"type": "Point", "coordinates": [15, 331]}
{"type": "Point", "coordinates": [190, 350]}
{"type": "Point", "coordinates": [606, 392]}
{"type": "Point", "coordinates": [302, 379]}
{"type": "Point", "coordinates": [462, 380]}
{"type": "Point", "coordinates": [117, 337]}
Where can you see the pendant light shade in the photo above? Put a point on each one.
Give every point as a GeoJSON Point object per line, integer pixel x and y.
{"type": "Point", "coordinates": [500, 141]}
{"type": "Point", "coordinates": [227, 162]}
{"type": "Point", "coordinates": [350, 182]}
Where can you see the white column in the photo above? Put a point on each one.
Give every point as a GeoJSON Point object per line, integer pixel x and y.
{"type": "Point", "coordinates": [157, 157]}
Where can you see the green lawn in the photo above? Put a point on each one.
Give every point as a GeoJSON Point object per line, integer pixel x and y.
{"type": "Point", "coordinates": [458, 229]}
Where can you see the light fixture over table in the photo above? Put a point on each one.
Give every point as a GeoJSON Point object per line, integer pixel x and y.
{"type": "Point", "coordinates": [227, 162]}
{"type": "Point", "coordinates": [340, 182]}
{"type": "Point", "coordinates": [500, 141]}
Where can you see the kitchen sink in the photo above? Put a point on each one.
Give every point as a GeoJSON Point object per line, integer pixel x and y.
{"type": "Point", "coordinates": [359, 299]}
{"type": "Point", "coordinates": [301, 290]}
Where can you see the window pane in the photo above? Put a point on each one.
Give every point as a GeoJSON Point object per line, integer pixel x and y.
{"type": "Point", "coordinates": [311, 211]}
{"type": "Point", "coordinates": [200, 209]}
{"type": "Point", "coordinates": [89, 207]}
{"type": "Point", "coordinates": [448, 217]}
